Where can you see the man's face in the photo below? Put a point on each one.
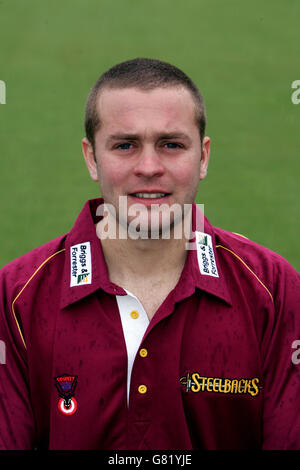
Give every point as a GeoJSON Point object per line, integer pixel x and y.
{"type": "Point", "coordinates": [147, 148]}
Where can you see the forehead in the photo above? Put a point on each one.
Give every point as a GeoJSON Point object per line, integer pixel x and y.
{"type": "Point", "coordinates": [128, 108]}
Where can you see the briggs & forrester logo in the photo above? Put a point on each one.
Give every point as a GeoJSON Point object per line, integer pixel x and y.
{"type": "Point", "coordinates": [81, 266]}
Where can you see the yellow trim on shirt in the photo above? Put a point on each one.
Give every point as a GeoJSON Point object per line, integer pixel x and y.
{"type": "Point", "coordinates": [16, 298]}
{"type": "Point", "coordinates": [236, 233]}
{"type": "Point", "coordinates": [234, 254]}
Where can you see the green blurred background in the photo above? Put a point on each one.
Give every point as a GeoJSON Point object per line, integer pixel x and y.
{"type": "Point", "coordinates": [243, 56]}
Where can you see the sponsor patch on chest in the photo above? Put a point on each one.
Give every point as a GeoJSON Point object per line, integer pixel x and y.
{"type": "Point", "coordinates": [195, 383]}
{"type": "Point", "coordinates": [81, 265]}
{"type": "Point", "coordinates": [205, 255]}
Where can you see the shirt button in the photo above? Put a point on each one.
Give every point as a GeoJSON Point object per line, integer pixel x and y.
{"type": "Point", "coordinates": [134, 314]}
{"type": "Point", "coordinates": [143, 352]}
{"type": "Point", "coordinates": [142, 389]}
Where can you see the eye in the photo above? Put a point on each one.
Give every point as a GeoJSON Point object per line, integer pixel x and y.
{"type": "Point", "coordinates": [124, 146]}
{"type": "Point", "coordinates": [173, 145]}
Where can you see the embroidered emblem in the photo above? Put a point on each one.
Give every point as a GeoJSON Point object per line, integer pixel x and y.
{"type": "Point", "coordinates": [66, 385]}
{"type": "Point", "coordinates": [195, 383]}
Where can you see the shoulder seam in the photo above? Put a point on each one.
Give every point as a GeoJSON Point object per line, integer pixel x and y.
{"type": "Point", "coordinates": [23, 288]}
{"type": "Point", "coordinates": [249, 269]}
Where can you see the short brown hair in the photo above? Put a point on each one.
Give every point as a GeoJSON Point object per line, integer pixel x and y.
{"type": "Point", "coordinates": [145, 74]}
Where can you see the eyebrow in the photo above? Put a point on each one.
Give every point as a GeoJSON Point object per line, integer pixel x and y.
{"type": "Point", "coordinates": [163, 136]}
{"type": "Point", "coordinates": [123, 137]}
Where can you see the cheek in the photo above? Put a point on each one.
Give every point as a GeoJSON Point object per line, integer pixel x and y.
{"type": "Point", "coordinates": [186, 175]}
{"type": "Point", "coordinates": [111, 174]}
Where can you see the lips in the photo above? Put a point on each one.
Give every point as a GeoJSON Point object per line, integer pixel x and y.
{"type": "Point", "coordinates": [149, 195]}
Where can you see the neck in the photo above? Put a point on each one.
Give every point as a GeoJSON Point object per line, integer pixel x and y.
{"type": "Point", "coordinates": [142, 258]}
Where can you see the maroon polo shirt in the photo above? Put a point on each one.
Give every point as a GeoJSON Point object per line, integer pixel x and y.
{"type": "Point", "coordinates": [216, 370]}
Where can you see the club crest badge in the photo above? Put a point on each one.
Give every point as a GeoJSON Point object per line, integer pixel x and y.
{"type": "Point", "coordinates": [66, 385]}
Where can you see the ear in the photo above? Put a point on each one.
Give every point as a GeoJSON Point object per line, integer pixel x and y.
{"type": "Point", "coordinates": [204, 157]}
{"type": "Point", "coordinates": [89, 157]}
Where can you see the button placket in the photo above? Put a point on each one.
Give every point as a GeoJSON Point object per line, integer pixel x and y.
{"type": "Point", "coordinates": [134, 322]}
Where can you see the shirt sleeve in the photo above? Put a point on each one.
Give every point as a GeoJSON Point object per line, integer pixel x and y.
{"type": "Point", "coordinates": [16, 416]}
{"type": "Point", "coordinates": [281, 423]}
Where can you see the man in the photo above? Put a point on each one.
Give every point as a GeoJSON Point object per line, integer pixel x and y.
{"type": "Point", "coordinates": [129, 333]}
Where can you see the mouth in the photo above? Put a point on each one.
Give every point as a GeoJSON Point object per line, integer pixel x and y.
{"type": "Point", "coordinates": [149, 195]}
{"type": "Point", "coordinates": [148, 198]}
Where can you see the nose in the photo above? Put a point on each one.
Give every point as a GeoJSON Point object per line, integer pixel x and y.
{"type": "Point", "coordinates": [149, 164]}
